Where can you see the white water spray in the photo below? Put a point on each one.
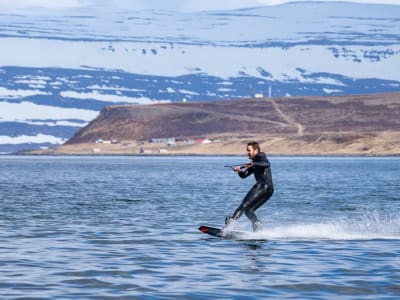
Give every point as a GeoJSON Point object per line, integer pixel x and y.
{"type": "Point", "coordinates": [363, 227]}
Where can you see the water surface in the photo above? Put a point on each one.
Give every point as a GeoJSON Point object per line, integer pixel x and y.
{"type": "Point", "coordinates": [126, 228]}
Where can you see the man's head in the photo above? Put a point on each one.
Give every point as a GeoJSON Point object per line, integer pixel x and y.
{"type": "Point", "coordinates": [253, 148]}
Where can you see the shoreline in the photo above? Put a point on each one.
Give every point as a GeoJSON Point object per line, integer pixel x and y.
{"type": "Point", "coordinates": [207, 155]}
{"type": "Point", "coordinates": [368, 145]}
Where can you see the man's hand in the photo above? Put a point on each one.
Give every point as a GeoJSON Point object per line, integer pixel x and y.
{"type": "Point", "coordinates": [239, 169]}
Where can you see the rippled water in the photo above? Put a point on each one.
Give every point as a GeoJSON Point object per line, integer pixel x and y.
{"type": "Point", "coordinates": [126, 228]}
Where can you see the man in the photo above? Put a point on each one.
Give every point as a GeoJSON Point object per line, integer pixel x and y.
{"type": "Point", "coordinates": [260, 192]}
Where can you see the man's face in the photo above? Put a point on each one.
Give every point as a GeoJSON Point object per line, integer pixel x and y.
{"type": "Point", "coordinates": [251, 152]}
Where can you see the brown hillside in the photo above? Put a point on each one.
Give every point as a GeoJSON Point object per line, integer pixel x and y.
{"type": "Point", "coordinates": [183, 120]}
{"type": "Point", "coordinates": [357, 114]}
{"type": "Point", "coordinates": [295, 124]}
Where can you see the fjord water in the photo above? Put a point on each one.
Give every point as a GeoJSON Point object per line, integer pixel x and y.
{"type": "Point", "coordinates": [126, 228]}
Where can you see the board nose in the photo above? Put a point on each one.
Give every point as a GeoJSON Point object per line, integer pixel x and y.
{"type": "Point", "coordinates": [203, 229]}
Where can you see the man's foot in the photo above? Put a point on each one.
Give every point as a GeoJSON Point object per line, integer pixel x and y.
{"type": "Point", "coordinates": [229, 224]}
{"type": "Point", "coordinates": [257, 225]}
{"type": "Point", "coordinates": [228, 220]}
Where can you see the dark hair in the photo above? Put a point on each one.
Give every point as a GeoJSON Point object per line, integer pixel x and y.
{"type": "Point", "coordinates": [255, 145]}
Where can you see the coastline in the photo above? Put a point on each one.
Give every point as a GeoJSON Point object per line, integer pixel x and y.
{"type": "Point", "coordinates": [378, 144]}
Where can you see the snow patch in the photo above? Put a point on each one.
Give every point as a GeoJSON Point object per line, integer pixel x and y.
{"type": "Point", "coordinates": [29, 139]}
{"type": "Point", "coordinates": [223, 62]}
{"type": "Point", "coordinates": [106, 97]}
{"type": "Point", "coordinates": [27, 111]}
{"type": "Point", "coordinates": [16, 94]}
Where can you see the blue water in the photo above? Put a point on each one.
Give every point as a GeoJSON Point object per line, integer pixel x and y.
{"type": "Point", "coordinates": [126, 228]}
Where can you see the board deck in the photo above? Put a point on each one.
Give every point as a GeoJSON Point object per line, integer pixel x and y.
{"type": "Point", "coordinates": [232, 234]}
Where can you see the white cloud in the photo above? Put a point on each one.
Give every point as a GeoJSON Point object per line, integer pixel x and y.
{"type": "Point", "coordinates": [27, 5]}
{"type": "Point", "coordinates": [196, 5]}
{"type": "Point", "coordinates": [12, 6]}
{"type": "Point", "coordinates": [276, 2]}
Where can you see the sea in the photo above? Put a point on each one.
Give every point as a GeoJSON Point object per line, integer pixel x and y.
{"type": "Point", "coordinates": [126, 227]}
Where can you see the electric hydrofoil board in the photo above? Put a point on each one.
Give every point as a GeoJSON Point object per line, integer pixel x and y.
{"type": "Point", "coordinates": [225, 234]}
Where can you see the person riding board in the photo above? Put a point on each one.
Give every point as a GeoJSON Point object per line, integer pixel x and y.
{"type": "Point", "coordinates": [262, 189]}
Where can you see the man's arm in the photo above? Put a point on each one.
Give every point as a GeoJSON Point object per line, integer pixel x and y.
{"type": "Point", "coordinates": [262, 163]}
{"type": "Point", "coordinates": [244, 171]}
{"type": "Point", "coordinates": [261, 160]}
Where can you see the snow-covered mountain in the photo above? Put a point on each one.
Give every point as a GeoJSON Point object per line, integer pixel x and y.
{"type": "Point", "coordinates": [58, 71]}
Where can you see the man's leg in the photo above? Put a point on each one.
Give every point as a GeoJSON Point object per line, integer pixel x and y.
{"type": "Point", "coordinates": [249, 204]}
{"type": "Point", "coordinates": [257, 225]}
{"type": "Point", "coordinates": [264, 199]}
{"type": "Point", "coordinates": [243, 207]}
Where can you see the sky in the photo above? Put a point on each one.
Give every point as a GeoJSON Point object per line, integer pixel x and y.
{"type": "Point", "coordinates": [15, 6]}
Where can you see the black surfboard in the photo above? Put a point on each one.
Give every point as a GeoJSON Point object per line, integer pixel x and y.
{"type": "Point", "coordinates": [232, 234]}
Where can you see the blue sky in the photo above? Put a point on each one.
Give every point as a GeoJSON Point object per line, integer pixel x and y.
{"type": "Point", "coordinates": [12, 6]}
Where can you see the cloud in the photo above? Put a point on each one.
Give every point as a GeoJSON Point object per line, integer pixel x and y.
{"type": "Point", "coordinates": [12, 6]}
{"type": "Point", "coordinates": [41, 4]}
{"type": "Point", "coordinates": [179, 5]}
{"type": "Point", "coordinates": [276, 2]}
{"type": "Point", "coordinates": [201, 5]}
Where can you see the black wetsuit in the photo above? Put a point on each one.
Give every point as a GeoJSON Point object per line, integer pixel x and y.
{"type": "Point", "coordinates": [260, 192]}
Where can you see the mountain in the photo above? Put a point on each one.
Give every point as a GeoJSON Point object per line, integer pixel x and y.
{"type": "Point", "coordinates": [57, 72]}
{"type": "Point", "coordinates": [358, 124]}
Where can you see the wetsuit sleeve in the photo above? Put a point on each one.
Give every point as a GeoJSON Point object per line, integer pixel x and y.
{"type": "Point", "coordinates": [262, 163]}
{"type": "Point", "coordinates": [246, 172]}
